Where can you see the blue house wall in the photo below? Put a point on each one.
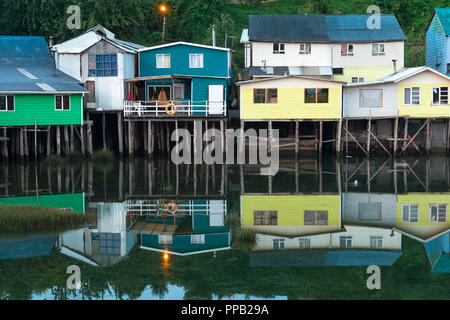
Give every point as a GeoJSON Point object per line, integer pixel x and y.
{"type": "Point", "coordinates": [437, 46]}
{"type": "Point", "coordinates": [216, 68]}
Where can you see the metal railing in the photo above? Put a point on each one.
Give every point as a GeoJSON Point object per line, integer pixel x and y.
{"type": "Point", "coordinates": [183, 108]}
{"type": "Point", "coordinates": [143, 207]}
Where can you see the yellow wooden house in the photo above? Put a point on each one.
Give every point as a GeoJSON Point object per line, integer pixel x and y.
{"type": "Point", "coordinates": [290, 98]}
{"type": "Point", "coordinates": [291, 215]}
{"type": "Point", "coordinates": [423, 216]}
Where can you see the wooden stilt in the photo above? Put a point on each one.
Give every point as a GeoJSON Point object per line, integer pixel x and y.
{"type": "Point", "coordinates": [66, 140]}
{"type": "Point", "coordinates": [25, 143]}
{"type": "Point", "coordinates": [270, 136]}
{"type": "Point", "coordinates": [82, 140]}
{"type": "Point", "coordinates": [49, 144]}
{"type": "Point", "coordinates": [320, 137]}
{"type": "Point", "coordinates": [120, 131]}
{"type": "Point", "coordinates": [448, 136]}
{"type": "Point", "coordinates": [346, 136]}
{"type": "Point", "coordinates": [405, 133]}
{"type": "Point", "coordinates": [130, 139]}
{"type": "Point", "coordinates": [149, 139]}
{"type": "Point", "coordinates": [339, 136]}
{"type": "Point", "coordinates": [104, 130]}
{"type": "Point", "coordinates": [35, 140]}
{"type": "Point", "coordinates": [395, 136]}
{"type": "Point", "coordinates": [5, 144]}
{"type": "Point", "coordinates": [296, 138]}
{"type": "Point", "coordinates": [72, 139]}
{"type": "Point", "coordinates": [369, 136]}
{"type": "Point", "coordinates": [146, 139]}
{"type": "Point", "coordinates": [241, 138]}
{"type": "Point", "coordinates": [428, 137]}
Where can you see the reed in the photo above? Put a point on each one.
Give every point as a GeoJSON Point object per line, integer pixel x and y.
{"type": "Point", "coordinates": [19, 219]}
{"type": "Point", "coordinates": [103, 155]}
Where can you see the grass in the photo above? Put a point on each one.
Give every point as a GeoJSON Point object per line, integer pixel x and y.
{"type": "Point", "coordinates": [245, 239]}
{"type": "Point", "coordinates": [17, 219]}
{"type": "Point", "coordinates": [103, 155]}
{"type": "Point", "coordinates": [53, 160]}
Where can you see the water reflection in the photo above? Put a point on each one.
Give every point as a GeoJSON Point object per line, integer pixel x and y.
{"type": "Point", "coordinates": [183, 219]}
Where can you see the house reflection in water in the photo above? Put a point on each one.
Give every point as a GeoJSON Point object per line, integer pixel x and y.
{"type": "Point", "coordinates": [181, 227]}
{"type": "Point", "coordinates": [438, 253]}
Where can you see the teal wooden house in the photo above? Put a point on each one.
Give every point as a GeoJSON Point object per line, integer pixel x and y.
{"type": "Point", "coordinates": [180, 79]}
{"type": "Point", "coordinates": [32, 91]}
{"type": "Point", "coordinates": [438, 42]}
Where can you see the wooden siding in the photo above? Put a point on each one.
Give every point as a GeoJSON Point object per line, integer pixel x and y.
{"type": "Point", "coordinates": [75, 201]}
{"type": "Point", "coordinates": [436, 51]}
{"type": "Point", "coordinates": [424, 200]}
{"type": "Point", "coordinates": [370, 73]}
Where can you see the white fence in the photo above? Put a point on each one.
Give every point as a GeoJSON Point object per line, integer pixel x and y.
{"type": "Point", "coordinates": [186, 108]}
{"type": "Point", "coordinates": [148, 207]}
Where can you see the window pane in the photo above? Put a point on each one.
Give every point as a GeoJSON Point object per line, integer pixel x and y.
{"type": "Point", "coordinates": [370, 211]}
{"type": "Point", "coordinates": [259, 95]}
{"type": "Point", "coordinates": [407, 96]}
{"type": "Point", "coordinates": [310, 217]}
{"type": "Point", "coordinates": [66, 102]}
{"type": "Point", "coordinates": [322, 217]}
{"type": "Point", "coordinates": [322, 95]}
{"type": "Point", "coordinates": [58, 102]}
{"type": "Point", "coordinates": [272, 95]}
{"type": "Point", "coordinates": [310, 95]}
{"type": "Point", "coordinates": [375, 49]}
{"type": "Point", "coordinates": [444, 95]}
{"type": "Point", "coordinates": [343, 49]}
{"type": "Point", "coordinates": [370, 98]}
{"type": "Point", "coordinates": [381, 48]}
{"type": "Point", "coordinates": [2, 102]}
{"type": "Point", "coordinates": [10, 102]}
{"type": "Point", "coordinates": [415, 95]}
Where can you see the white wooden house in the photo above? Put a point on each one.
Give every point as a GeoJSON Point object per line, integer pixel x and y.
{"type": "Point", "coordinates": [101, 62]}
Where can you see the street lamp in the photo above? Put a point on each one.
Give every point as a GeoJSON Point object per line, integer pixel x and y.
{"type": "Point", "coordinates": [163, 10]}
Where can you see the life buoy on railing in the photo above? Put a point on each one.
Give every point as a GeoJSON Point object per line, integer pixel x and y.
{"type": "Point", "coordinates": [171, 207]}
{"type": "Point", "coordinates": [174, 109]}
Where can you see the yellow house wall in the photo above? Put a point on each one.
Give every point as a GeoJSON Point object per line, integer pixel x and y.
{"type": "Point", "coordinates": [426, 81]}
{"type": "Point", "coordinates": [370, 73]}
{"type": "Point", "coordinates": [291, 99]}
{"type": "Point", "coordinates": [423, 200]}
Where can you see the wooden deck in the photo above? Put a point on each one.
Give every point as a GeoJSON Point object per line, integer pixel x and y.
{"type": "Point", "coordinates": [153, 228]}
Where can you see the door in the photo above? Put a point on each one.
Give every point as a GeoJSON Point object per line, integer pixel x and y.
{"type": "Point", "coordinates": [215, 94]}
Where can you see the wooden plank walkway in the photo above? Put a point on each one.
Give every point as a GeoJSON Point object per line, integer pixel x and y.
{"type": "Point", "coordinates": [153, 228]}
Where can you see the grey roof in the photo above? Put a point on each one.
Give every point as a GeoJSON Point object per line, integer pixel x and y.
{"type": "Point", "coordinates": [322, 28]}
{"type": "Point", "coordinates": [290, 71]}
{"type": "Point", "coordinates": [322, 258]}
{"type": "Point", "coordinates": [26, 64]}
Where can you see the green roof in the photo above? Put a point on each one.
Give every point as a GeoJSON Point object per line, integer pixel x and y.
{"type": "Point", "coordinates": [444, 18]}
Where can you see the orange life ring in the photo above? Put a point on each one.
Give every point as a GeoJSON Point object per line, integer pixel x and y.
{"type": "Point", "coordinates": [174, 109]}
{"type": "Point", "coordinates": [169, 205]}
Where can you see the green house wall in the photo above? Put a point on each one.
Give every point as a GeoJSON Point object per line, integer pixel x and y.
{"type": "Point", "coordinates": [41, 107]}
{"type": "Point", "coordinates": [60, 201]}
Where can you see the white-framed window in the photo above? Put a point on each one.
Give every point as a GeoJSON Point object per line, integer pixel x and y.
{"type": "Point", "coordinates": [7, 103]}
{"type": "Point", "coordinates": [376, 242]}
{"type": "Point", "coordinates": [304, 243]}
{"type": "Point", "coordinates": [278, 244]}
{"type": "Point", "coordinates": [305, 48]}
{"type": "Point", "coordinates": [410, 213]}
{"type": "Point", "coordinates": [346, 49]}
{"type": "Point", "coordinates": [411, 95]}
{"type": "Point", "coordinates": [358, 79]}
{"type": "Point", "coordinates": [438, 212]}
{"type": "Point", "coordinates": [440, 95]}
{"type": "Point", "coordinates": [162, 61]}
{"type": "Point", "coordinates": [164, 239]}
{"type": "Point", "coordinates": [279, 48]}
{"type": "Point", "coordinates": [346, 241]}
{"type": "Point", "coordinates": [62, 102]}
{"type": "Point", "coordinates": [378, 49]}
{"type": "Point", "coordinates": [198, 239]}
{"type": "Point", "coordinates": [196, 60]}
{"type": "Point", "coordinates": [370, 98]}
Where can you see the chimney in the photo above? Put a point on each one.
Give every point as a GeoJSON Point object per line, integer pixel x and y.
{"type": "Point", "coordinates": [50, 42]}
{"type": "Point", "coordinates": [214, 35]}
{"type": "Point", "coordinates": [394, 61]}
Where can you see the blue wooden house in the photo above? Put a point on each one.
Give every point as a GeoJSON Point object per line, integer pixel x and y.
{"type": "Point", "coordinates": [438, 254]}
{"type": "Point", "coordinates": [438, 42]}
{"type": "Point", "coordinates": [180, 79]}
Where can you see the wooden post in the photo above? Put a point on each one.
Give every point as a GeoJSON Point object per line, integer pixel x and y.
{"type": "Point", "coordinates": [296, 138]}
{"type": "Point", "coordinates": [339, 137]}
{"type": "Point", "coordinates": [346, 136]}
{"type": "Point", "coordinates": [448, 136]}
{"type": "Point", "coordinates": [5, 145]}
{"type": "Point", "coordinates": [149, 139]}
{"type": "Point", "coordinates": [120, 131]}
{"type": "Point", "coordinates": [104, 130]}
{"type": "Point", "coordinates": [428, 142]}
{"type": "Point", "coordinates": [83, 148]}
{"type": "Point", "coordinates": [58, 141]}
{"type": "Point", "coordinates": [241, 138]}
{"type": "Point", "coordinates": [130, 138]}
{"type": "Point", "coordinates": [66, 140]}
{"type": "Point", "coordinates": [395, 136]}
{"type": "Point", "coordinates": [90, 147]}
{"type": "Point", "coordinates": [35, 140]}
{"type": "Point", "coordinates": [320, 137]}
{"type": "Point", "coordinates": [369, 126]}
{"type": "Point", "coordinates": [49, 143]}
{"type": "Point", "coordinates": [146, 139]}
{"type": "Point", "coordinates": [72, 139]}
{"type": "Point", "coordinates": [405, 133]}
{"type": "Point", "coordinates": [25, 142]}
{"type": "Point", "coordinates": [269, 144]}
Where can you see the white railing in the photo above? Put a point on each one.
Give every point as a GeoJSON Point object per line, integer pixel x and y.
{"type": "Point", "coordinates": [184, 108]}
{"type": "Point", "coordinates": [145, 207]}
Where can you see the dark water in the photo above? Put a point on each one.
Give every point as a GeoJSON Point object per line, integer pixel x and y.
{"type": "Point", "coordinates": [310, 232]}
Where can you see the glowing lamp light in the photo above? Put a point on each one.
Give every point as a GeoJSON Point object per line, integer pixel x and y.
{"type": "Point", "coordinates": [162, 8]}
{"type": "Point", "coordinates": [166, 256]}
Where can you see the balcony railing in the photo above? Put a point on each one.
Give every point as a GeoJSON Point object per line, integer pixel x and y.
{"type": "Point", "coordinates": [184, 108]}
{"type": "Point", "coordinates": [143, 207]}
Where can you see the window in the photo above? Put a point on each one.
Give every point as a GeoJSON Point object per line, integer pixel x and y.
{"type": "Point", "coordinates": [108, 243]}
{"type": "Point", "coordinates": [62, 102]}
{"type": "Point", "coordinates": [369, 211]}
{"type": "Point", "coordinates": [316, 95]}
{"type": "Point", "coordinates": [411, 95]}
{"type": "Point", "coordinates": [438, 213]}
{"type": "Point", "coordinates": [338, 70]}
{"type": "Point", "coordinates": [410, 213]}
{"type": "Point", "coordinates": [278, 48]}
{"type": "Point", "coordinates": [162, 61]}
{"type": "Point", "coordinates": [198, 239]}
{"type": "Point", "coordinates": [376, 242]}
{"type": "Point", "coordinates": [164, 239]}
{"type": "Point", "coordinates": [304, 243]}
{"type": "Point", "coordinates": [358, 79]}
{"type": "Point", "coordinates": [316, 217]}
{"type": "Point", "coordinates": [346, 49]}
{"type": "Point", "coordinates": [440, 95]}
{"type": "Point", "coordinates": [102, 65]}
{"type": "Point", "coordinates": [346, 241]}
{"type": "Point", "coordinates": [305, 48]}
{"type": "Point", "coordinates": [278, 244]}
{"type": "Point", "coordinates": [7, 103]}
{"type": "Point", "coordinates": [370, 98]}
{"type": "Point", "coordinates": [378, 49]}
{"type": "Point", "coordinates": [265, 95]}
{"type": "Point", "coordinates": [196, 60]}
{"type": "Point", "coordinates": [262, 218]}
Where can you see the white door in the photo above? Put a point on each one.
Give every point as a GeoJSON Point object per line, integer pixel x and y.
{"type": "Point", "coordinates": [216, 103]}
{"type": "Point", "coordinates": [216, 213]}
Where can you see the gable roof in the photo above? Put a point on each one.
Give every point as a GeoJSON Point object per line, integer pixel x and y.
{"type": "Point", "coordinates": [288, 76]}
{"type": "Point", "coordinates": [183, 43]}
{"type": "Point", "coordinates": [26, 65]}
{"type": "Point", "coordinates": [322, 28]}
{"type": "Point", "coordinates": [444, 19]}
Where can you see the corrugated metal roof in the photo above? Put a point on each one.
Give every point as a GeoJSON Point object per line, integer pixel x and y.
{"type": "Point", "coordinates": [289, 71]}
{"type": "Point", "coordinates": [444, 18]}
{"type": "Point", "coordinates": [322, 28]}
{"type": "Point", "coordinates": [26, 64]}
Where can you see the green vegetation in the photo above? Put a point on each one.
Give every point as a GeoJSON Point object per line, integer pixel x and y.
{"type": "Point", "coordinates": [20, 219]}
{"type": "Point", "coordinates": [74, 157]}
{"type": "Point", "coordinates": [53, 160]}
{"type": "Point", "coordinates": [102, 156]}
{"type": "Point", "coordinates": [190, 20]}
